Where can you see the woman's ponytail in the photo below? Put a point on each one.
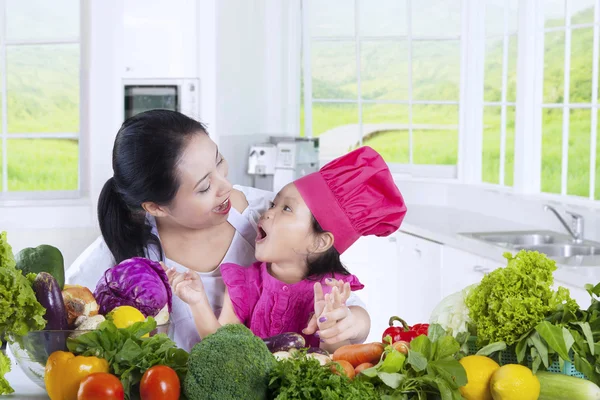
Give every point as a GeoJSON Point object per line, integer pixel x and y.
{"type": "Point", "coordinates": [121, 229]}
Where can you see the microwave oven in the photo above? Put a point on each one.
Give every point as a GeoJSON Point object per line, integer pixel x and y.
{"type": "Point", "coordinates": [171, 94]}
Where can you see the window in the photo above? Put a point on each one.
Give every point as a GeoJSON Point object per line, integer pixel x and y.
{"type": "Point", "coordinates": [384, 74]}
{"type": "Point", "coordinates": [500, 91]}
{"type": "Point", "coordinates": [39, 87]}
{"type": "Point", "coordinates": [570, 159]}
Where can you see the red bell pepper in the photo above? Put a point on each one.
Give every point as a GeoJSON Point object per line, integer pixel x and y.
{"type": "Point", "coordinates": [404, 332]}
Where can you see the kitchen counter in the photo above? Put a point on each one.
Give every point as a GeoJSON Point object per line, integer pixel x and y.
{"type": "Point", "coordinates": [444, 225]}
{"type": "Point", "coordinates": [24, 388]}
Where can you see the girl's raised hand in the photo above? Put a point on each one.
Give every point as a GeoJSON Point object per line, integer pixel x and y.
{"type": "Point", "coordinates": [187, 286]}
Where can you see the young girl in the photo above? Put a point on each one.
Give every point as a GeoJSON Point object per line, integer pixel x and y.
{"type": "Point", "coordinates": [300, 238]}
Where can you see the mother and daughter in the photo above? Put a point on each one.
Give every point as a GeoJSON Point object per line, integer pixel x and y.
{"type": "Point", "coordinates": [238, 254]}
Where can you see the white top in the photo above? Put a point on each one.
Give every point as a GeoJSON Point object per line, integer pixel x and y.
{"type": "Point", "coordinates": [89, 267]}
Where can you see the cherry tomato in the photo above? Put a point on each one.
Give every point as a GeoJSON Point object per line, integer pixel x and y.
{"type": "Point", "coordinates": [100, 386]}
{"type": "Point", "coordinates": [160, 383]}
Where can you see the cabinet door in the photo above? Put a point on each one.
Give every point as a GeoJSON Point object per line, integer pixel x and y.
{"type": "Point", "coordinates": [418, 286]}
{"type": "Point", "coordinates": [461, 269]}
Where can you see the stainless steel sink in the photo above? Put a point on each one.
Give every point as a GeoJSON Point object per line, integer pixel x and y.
{"type": "Point", "coordinates": [564, 250]}
{"type": "Point", "coordinates": [520, 238]}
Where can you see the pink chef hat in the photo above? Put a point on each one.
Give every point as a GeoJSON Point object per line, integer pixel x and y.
{"type": "Point", "coordinates": [353, 196]}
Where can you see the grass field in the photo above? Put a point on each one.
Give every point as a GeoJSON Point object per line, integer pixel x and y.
{"type": "Point", "coordinates": [43, 95]}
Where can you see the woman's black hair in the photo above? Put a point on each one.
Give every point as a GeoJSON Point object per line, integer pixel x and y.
{"type": "Point", "coordinates": [147, 149]}
{"type": "Point", "coordinates": [328, 263]}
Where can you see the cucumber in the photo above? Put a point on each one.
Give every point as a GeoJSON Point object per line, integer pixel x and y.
{"type": "Point", "coordinates": [284, 342]}
{"type": "Point", "coordinates": [555, 386]}
{"type": "Point", "coordinates": [48, 293]}
{"type": "Point", "coordinates": [44, 258]}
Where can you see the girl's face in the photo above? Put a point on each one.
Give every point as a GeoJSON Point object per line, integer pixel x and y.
{"type": "Point", "coordinates": [202, 199]}
{"type": "Point", "coordinates": [285, 232]}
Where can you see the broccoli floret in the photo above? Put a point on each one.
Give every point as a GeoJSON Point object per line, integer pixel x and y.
{"type": "Point", "coordinates": [232, 363]}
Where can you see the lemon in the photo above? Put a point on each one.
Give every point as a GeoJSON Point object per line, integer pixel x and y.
{"type": "Point", "coordinates": [479, 372]}
{"type": "Point", "coordinates": [514, 382]}
{"type": "Point", "coordinates": [125, 316]}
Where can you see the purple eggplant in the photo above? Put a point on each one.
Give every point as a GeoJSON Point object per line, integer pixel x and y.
{"type": "Point", "coordinates": [285, 342]}
{"type": "Point", "coordinates": [48, 293]}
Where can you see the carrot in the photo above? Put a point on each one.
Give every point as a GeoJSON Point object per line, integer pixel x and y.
{"type": "Point", "coordinates": [357, 354]}
{"type": "Point", "coordinates": [346, 367]}
{"type": "Point", "coordinates": [401, 346]}
{"type": "Point", "coordinates": [362, 367]}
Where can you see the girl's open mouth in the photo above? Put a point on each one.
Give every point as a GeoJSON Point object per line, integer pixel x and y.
{"type": "Point", "coordinates": [261, 236]}
{"type": "Point", "coordinates": [223, 208]}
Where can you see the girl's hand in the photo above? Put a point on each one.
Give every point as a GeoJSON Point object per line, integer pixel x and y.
{"type": "Point", "coordinates": [319, 304]}
{"type": "Point", "coordinates": [187, 286]}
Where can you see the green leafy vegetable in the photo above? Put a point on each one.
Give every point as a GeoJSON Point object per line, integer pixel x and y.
{"type": "Point", "coordinates": [300, 377]}
{"type": "Point", "coordinates": [510, 301]}
{"type": "Point", "coordinates": [5, 387]}
{"type": "Point", "coordinates": [129, 354]}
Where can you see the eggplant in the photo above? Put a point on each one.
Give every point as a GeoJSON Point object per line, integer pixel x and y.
{"type": "Point", "coordinates": [285, 342]}
{"type": "Point", "coordinates": [48, 293]}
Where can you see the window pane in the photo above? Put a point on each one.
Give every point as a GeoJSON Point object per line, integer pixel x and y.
{"type": "Point", "coordinates": [494, 17]}
{"type": "Point", "coordinates": [511, 78]}
{"type": "Point", "coordinates": [435, 143]}
{"type": "Point", "coordinates": [385, 18]}
{"type": "Point", "coordinates": [582, 11]}
{"type": "Point", "coordinates": [554, 66]}
{"type": "Point", "coordinates": [436, 70]}
{"type": "Point", "coordinates": [43, 88]}
{"type": "Point", "coordinates": [385, 128]}
{"type": "Point", "coordinates": [384, 70]}
{"type": "Point", "coordinates": [581, 66]}
{"type": "Point", "coordinates": [554, 13]}
{"type": "Point", "coordinates": [578, 180]}
{"type": "Point", "coordinates": [332, 18]}
{"type": "Point", "coordinates": [435, 147]}
{"type": "Point", "coordinates": [509, 163]}
{"type": "Point", "coordinates": [444, 116]}
{"type": "Point", "coordinates": [337, 126]}
{"type": "Point", "coordinates": [436, 17]}
{"type": "Point", "coordinates": [333, 66]}
{"type": "Point", "coordinates": [490, 163]}
{"type": "Point", "coordinates": [42, 19]}
{"type": "Point", "coordinates": [492, 88]}
{"type": "Point", "coordinates": [551, 149]}
{"type": "Point", "coordinates": [42, 164]}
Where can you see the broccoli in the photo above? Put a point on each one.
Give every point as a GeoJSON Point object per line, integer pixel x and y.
{"type": "Point", "coordinates": [232, 363]}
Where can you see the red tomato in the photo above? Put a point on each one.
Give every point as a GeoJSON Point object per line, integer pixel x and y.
{"type": "Point", "coordinates": [100, 386]}
{"type": "Point", "coordinates": [160, 383]}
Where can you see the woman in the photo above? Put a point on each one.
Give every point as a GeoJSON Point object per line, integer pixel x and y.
{"type": "Point", "coordinates": [169, 199]}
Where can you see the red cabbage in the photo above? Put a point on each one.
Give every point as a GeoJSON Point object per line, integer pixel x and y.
{"type": "Point", "coordinates": [136, 282]}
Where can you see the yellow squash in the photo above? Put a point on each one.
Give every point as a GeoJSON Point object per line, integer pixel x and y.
{"type": "Point", "coordinates": [64, 372]}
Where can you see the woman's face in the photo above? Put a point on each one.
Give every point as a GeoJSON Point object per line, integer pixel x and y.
{"type": "Point", "coordinates": [203, 196]}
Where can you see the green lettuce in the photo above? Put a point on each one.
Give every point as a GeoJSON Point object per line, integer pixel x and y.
{"type": "Point", "coordinates": [511, 301]}
{"type": "Point", "coordinates": [5, 387]}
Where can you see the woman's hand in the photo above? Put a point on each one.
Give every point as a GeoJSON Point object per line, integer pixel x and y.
{"type": "Point", "coordinates": [187, 286]}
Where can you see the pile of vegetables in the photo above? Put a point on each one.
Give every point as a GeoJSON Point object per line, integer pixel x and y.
{"type": "Point", "coordinates": [129, 354]}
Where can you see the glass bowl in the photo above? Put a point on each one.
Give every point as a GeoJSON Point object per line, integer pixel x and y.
{"type": "Point", "coordinates": [31, 351]}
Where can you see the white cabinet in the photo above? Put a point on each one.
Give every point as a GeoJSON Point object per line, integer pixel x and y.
{"type": "Point", "coordinates": [460, 269]}
{"type": "Point", "coordinates": [418, 285]}
{"type": "Point", "coordinates": [159, 39]}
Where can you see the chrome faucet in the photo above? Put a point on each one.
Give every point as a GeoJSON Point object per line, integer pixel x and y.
{"type": "Point", "coordinates": [576, 229]}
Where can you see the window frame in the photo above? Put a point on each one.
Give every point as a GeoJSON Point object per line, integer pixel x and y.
{"type": "Point", "coordinates": [7, 197]}
{"type": "Point", "coordinates": [450, 172]}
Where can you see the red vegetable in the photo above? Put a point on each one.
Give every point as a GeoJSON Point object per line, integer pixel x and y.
{"type": "Point", "coordinates": [100, 386]}
{"type": "Point", "coordinates": [160, 383]}
{"type": "Point", "coordinates": [404, 332]}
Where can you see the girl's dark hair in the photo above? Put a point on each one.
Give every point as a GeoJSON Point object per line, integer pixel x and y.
{"type": "Point", "coordinates": [145, 155]}
{"type": "Point", "coordinates": [327, 263]}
